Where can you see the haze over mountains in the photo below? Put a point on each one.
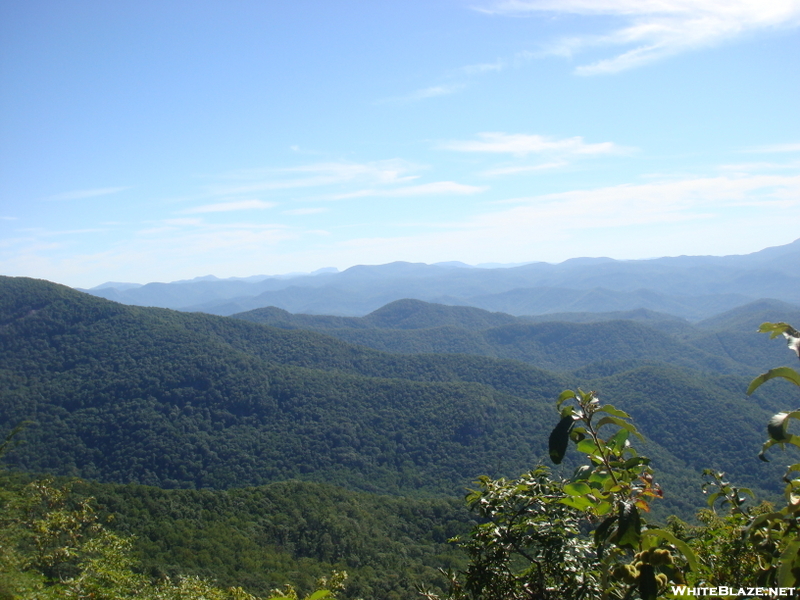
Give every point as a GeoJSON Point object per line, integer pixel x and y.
{"type": "Point", "coordinates": [690, 287]}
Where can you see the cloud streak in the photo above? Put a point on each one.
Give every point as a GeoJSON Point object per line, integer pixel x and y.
{"type": "Point", "coordinates": [388, 172]}
{"type": "Point", "coordinates": [693, 216]}
{"type": "Point", "coordinates": [425, 189]}
{"type": "Point", "coordinates": [425, 93]}
{"type": "Point", "coordinates": [656, 29]}
{"type": "Point", "coordinates": [81, 194]}
{"type": "Point", "coordinates": [230, 207]}
{"type": "Point", "coordinates": [775, 148]}
{"type": "Point", "coordinates": [522, 145]}
{"type": "Point", "coordinates": [304, 211]}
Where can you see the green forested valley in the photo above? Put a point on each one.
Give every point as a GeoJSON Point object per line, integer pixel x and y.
{"type": "Point", "coordinates": [271, 447]}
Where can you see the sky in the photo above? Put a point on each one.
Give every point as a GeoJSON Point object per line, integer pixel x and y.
{"type": "Point", "coordinates": [158, 141]}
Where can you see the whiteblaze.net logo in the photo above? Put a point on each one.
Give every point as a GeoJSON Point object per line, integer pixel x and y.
{"type": "Point", "coordinates": [743, 592]}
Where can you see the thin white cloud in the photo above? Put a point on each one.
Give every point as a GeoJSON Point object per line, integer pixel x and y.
{"type": "Point", "coordinates": [426, 189]}
{"type": "Point", "coordinates": [650, 203]}
{"type": "Point", "coordinates": [80, 194]}
{"type": "Point", "coordinates": [388, 172]}
{"type": "Point", "coordinates": [745, 168]}
{"type": "Point", "coordinates": [304, 211]}
{"type": "Point", "coordinates": [775, 148]}
{"type": "Point", "coordinates": [689, 216]}
{"type": "Point", "coordinates": [230, 206]}
{"type": "Point", "coordinates": [481, 68]}
{"type": "Point", "coordinates": [38, 232]}
{"type": "Point", "coordinates": [501, 64]}
{"type": "Point", "coordinates": [522, 145]}
{"type": "Point", "coordinates": [433, 91]}
{"type": "Point", "coordinates": [658, 28]}
{"type": "Point", "coordinates": [8, 218]}
{"type": "Point", "coordinates": [525, 168]}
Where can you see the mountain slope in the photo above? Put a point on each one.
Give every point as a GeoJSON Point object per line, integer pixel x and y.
{"type": "Point", "coordinates": [171, 399]}
{"type": "Point", "coordinates": [412, 326]}
{"type": "Point", "coordinates": [163, 398]}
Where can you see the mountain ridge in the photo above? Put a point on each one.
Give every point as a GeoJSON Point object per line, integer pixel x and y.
{"type": "Point", "coordinates": [693, 287]}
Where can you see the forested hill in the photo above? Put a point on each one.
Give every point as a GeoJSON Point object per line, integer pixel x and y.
{"type": "Point", "coordinates": [727, 343]}
{"type": "Point", "coordinates": [130, 394]}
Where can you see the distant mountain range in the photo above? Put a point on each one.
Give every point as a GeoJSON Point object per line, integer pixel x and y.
{"type": "Point", "coordinates": [690, 287]}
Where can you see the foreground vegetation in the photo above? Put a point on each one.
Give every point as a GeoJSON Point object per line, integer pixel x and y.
{"type": "Point", "coordinates": [258, 539]}
{"type": "Point", "coordinates": [587, 537]}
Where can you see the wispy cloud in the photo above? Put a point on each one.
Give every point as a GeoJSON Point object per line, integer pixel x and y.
{"type": "Point", "coordinates": [304, 211]}
{"type": "Point", "coordinates": [433, 91]}
{"type": "Point", "coordinates": [657, 28]}
{"type": "Point", "coordinates": [501, 64]}
{"type": "Point", "coordinates": [230, 206]}
{"type": "Point", "coordinates": [522, 144]}
{"type": "Point", "coordinates": [40, 232]}
{"type": "Point", "coordinates": [426, 189]}
{"type": "Point", "coordinates": [481, 68]}
{"type": "Point", "coordinates": [525, 168]}
{"type": "Point", "coordinates": [388, 172]}
{"type": "Point", "coordinates": [775, 148]}
{"type": "Point", "coordinates": [694, 215]}
{"type": "Point", "coordinates": [80, 194]}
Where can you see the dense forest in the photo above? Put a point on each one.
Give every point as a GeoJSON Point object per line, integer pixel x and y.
{"type": "Point", "coordinates": [271, 447]}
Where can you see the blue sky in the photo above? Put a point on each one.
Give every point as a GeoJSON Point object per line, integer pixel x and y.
{"type": "Point", "coordinates": [156, 141]}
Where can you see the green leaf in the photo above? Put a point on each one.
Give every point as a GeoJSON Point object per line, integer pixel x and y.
{"type": "Point", "coordinates": [783, 372]}
{"type": "Point", "coordinates": [791, 439]}
{"type": "Point", "coordinates": [617, 442]}
{"type": "Point", "coordinates": [713, 498]}
{"type": "Point", "coordinates": [775, 329]}
{"type": "Point", "coordinates": [319, 594]}
{"type": "Point", "coordinates": [587, 446]}
{"type": "Point", "coordinates": [559, 439]}
{"type": "Point", "coordinates": [579, 502]}
{"type": "Point", "coordinates": [761, 520]}
{"type": "Point", "coordinates": [582, 473]}
{"type": "Point", "coordinates": [635, 461]}
{"type": "Point", "coordinates": [565, 395]}
{"type": "Point", "coordinates": [620, 423]}
{"type": "Point", "coordinates": [577, 489]}
{"type": "Point", "coordinates": [602, 508]}
{"type": "Point", "coordinates": [600, 477]}
{"type": "Point", "coordinates": [789, 560]}
{"type": "Point", "coordinates": [767, 445]}
{"type": "Point", "coordinates": [609, 408]}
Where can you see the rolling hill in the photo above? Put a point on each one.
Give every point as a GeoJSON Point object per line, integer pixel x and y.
{"type": "Point", "coordinates": [726, 344]}
{"type": "Point", "coordinates": [153, 396]}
